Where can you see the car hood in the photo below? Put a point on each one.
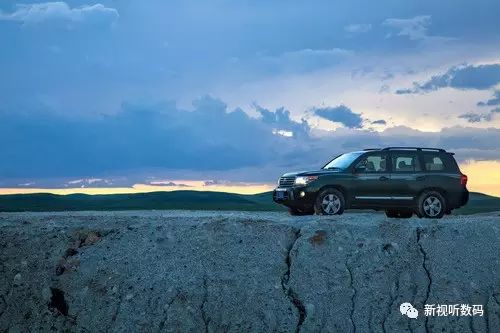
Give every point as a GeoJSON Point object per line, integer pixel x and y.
{"type": "Point", "coordinates": [312, 173]}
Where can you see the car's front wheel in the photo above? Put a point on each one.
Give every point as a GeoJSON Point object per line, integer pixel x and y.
{"type": "Point", "coordinates": [432, 205]}
{"type": "Point", "coordinates": [329, 202]}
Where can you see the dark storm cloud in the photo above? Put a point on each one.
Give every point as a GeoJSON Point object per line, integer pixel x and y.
{"type": "Point", "coordinates": [478, 77]}
{"type": "Point", "coordinates": [208, 140]}
{"type": "Point", "coordinates": [340, 114]}
{"type": "Point", "coordinates": [379, 122]}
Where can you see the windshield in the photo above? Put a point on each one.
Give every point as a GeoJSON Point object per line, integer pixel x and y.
{"type": "Point", "coordinates": [343, 161]}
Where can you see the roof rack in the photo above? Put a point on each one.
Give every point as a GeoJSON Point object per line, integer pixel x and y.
{"type": "Point", "coordinates": [415, 148]}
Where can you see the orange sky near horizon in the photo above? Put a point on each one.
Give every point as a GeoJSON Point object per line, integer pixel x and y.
{"type": "Point", "coordinates": [483, 176]}
{"type": "Point", "coordinates": [145, 188]}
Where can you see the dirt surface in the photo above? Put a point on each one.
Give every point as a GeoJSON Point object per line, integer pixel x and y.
{"type": "Point", "coordinates": [244, 272]}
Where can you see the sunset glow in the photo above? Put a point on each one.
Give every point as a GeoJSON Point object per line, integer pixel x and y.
{"type": "Point", "coordinates": [483, 176]}
{"type": "Point", "coordinates": [144, 188]}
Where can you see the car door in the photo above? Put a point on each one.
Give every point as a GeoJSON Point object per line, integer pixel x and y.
{"type": "Point", "coordinates": [371, 180]}
{"type": "Point", "coordinates": [407, 177]}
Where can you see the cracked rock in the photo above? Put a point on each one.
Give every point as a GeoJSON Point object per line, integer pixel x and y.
{"type": "Point", "coordinates": [245, 272]}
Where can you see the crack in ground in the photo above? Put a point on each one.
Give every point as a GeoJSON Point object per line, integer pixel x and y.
{"type": "Point", "coordinates": [58, 302]}
{"type": "Point", "coordinates": [392, 300]}
{"type": "Point", "coordinates": [206, 320]}
{"type": "Point", "coordinates": [495, 299]}
{"type": "Point", "coordinates": [3, 304]}
{"type": "Point", "coordinates": [471, 325]}
{"type": "Point", "coordinates": [169, 304]}
{"type": "Point", "coordinates": [353, 296]}
{"type": "Point", "coordinates": [114, 316]}
{"type": "Point", "coordinates": [427, 272]}
{"type": "Point", "coordinates": [287, 290]}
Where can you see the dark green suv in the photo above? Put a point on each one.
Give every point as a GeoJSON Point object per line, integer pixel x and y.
{"type": "Point", "coordinates": [400, 180]}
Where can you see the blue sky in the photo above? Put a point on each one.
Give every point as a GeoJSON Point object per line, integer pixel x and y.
{"type": "Point", "coordinates": [238, 91]}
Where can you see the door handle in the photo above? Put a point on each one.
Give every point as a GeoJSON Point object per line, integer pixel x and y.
{"type": "Point", "coordinates": [421, 178]}
{"type": "Point", "coordinates": [383, 178]}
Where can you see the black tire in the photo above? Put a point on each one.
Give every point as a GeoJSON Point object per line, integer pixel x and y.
{"type": "Point", "coordinates": [331, 198]}
{"type": "Point", "coordinates": [395, 213]}
{"type": "Point", "coordinates": [299, 212]}
{"type": "Point", "coordinates": [432, 205]}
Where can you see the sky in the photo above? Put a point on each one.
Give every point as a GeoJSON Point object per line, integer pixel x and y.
{"type": "Point", "coordinates": [134, 96]}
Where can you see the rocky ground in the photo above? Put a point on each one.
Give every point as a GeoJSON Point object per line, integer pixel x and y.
{"type": "Point", "coordinates": [244, 272]}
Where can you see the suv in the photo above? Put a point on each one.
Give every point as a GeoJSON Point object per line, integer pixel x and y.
{"type": "Point", "coordinates": [400, 180]}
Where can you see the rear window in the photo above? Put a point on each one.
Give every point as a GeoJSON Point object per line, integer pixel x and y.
{"type": "Point", "coordinates": [439, 162]}
{"type": "Point", "coordinates": [405, 162]}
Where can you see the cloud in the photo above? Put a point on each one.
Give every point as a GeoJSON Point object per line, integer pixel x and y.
{"type": "Point", "coordinates": [143, 136]}
{"type": "Point", "coordinates": [282, 123]}
{"type": "Point", "coordinates": [167, 183]}
{"type": "Point", "coordinates": [379, 122]}
{"type": "Point", "coordinates": [59, 11]}
{"type": "Point", "coordinates": [149, 142]}
{"type": "Point", "coordinates": [340, 114]}
{"type": "Point", "coordinates": [358, 28]}
{"type": "Point", "coordinates": [88, 182]}
{"type": "Point", "coordinates": [414, 28]}
{"type": "Point", "coordinates": [491, 102]}
{"type": "Point", "coordinates": [478, 77]}
{"type": "Point", "coordinates": [473, 117]}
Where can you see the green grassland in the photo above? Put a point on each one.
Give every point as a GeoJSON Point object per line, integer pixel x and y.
{"type": "Point", "coordinates": [192, 200]}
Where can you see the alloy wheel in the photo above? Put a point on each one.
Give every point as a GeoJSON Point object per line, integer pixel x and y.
{"type": "Point", "coordinates": [432, 206]}
{"type": "Point", "coordinates": [330, 204]}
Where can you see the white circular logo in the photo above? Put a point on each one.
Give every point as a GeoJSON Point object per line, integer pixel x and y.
{"type": "Point", "coordinates": [408, 310]}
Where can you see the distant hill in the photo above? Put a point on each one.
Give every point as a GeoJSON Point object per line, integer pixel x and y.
{"type": "Point", "coordinates": [480, 203]}
{"type": "Point", "coordinates": [194, 200]}
{"type": "Point", "coordinates": [191, 200]}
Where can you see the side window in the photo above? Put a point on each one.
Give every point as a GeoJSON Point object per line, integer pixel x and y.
{"type": "Point", "coordinates": [372, 163]}
{"type": "Point", "coordinates": [405, 162]}
{"type": "Point", "coordinates": [434, 162]}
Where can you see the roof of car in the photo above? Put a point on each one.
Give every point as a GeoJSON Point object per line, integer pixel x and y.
{"type": "Point", "coordinates": [409, 148]}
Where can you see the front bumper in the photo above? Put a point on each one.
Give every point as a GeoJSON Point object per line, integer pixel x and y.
{"type": "Point", "coordinates": [295, 197]}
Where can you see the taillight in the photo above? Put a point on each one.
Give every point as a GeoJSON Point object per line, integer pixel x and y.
{"type": "Point", "coordinates": [463, 180]}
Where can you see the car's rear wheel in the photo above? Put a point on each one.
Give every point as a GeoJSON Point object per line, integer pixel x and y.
{"type": "Point", "coordinates": [432, 205]}
{"type": "Point", "coordinates": [300, 212]}
{"type": "Point", "coordinates": [397, 213]}
{"type": "Point", "coordinates": [329, 202]}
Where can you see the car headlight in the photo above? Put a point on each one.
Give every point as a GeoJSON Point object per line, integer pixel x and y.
{"type": "Point", "coordinates": [305, 180]}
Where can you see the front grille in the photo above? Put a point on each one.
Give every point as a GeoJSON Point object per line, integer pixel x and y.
{"type": "Point", "coordinates": [287, 181]}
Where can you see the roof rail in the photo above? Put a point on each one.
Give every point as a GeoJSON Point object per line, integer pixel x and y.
{"type": "Point", "coordinates": [368, 149]}
{"type": "Point", "coordinates": [416, 148]}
